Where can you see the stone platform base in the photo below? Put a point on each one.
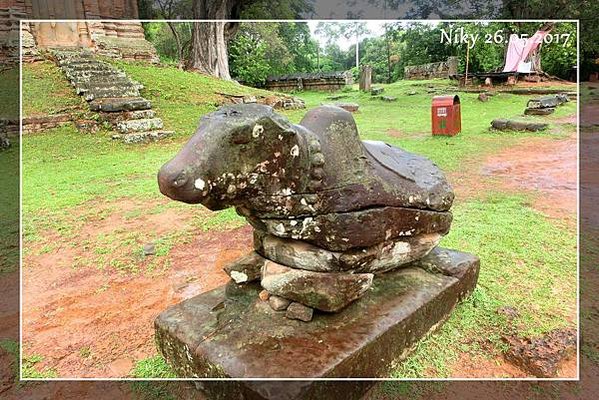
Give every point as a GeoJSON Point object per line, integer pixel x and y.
{"type": "Point", "coordinates": [230, 332]}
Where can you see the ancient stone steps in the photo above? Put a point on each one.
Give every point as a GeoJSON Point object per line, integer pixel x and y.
{"type": "Point", "coordinates": [117, 104]}
{"type": "Point", "coordinates": [113, 94]}
{"type": "Point", "coordinates": [139, 125]}
{"type": "Point", "coordinates": [143, 137]}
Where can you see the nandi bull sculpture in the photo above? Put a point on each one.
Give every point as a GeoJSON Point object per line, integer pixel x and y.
{"type": "Point", "coordinates": [329, 210]}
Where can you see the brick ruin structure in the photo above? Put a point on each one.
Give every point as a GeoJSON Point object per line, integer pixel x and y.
{"type": "Point", "coordinates": [442, 69]}
{"type": "Point", "coordinates": [115, 39]}
{"type": "Point", "coordinates": [322, 81]}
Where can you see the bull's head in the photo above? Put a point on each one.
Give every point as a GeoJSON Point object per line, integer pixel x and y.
{"type": "Point", "coordinates": [236, 152]}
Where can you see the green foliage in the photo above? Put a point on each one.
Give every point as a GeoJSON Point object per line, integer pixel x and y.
{"type": "Point", "coordinates": [30, 369]}
{"type": "Point", "coordinates": [247, 56]}
{"type": "Point", "coordinates": [12, 348]}
{"type": "Point", "coordinates": [161, 36]}
{"type": "Point", "coordinates": [153, 367]}
{"type": "Point", "coordinates": [153, 390]}
{"type": "Point", "coordinates": [262, 49]}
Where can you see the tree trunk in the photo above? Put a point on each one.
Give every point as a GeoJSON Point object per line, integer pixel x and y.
{"type": "Point", "coordinates": [209, 39]}
{"type": "Point", "coordinates": [179, 44]}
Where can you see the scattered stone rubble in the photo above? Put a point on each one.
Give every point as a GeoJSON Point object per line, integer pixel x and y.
{"type": "Point", "coordinates": [113, 95]}
{"type": "Point", "coordinates": [502, 124]}
{"type": "Point", "coordinates": [545, 105]}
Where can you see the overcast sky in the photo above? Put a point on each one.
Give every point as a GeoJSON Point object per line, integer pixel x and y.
{"type": "Point", "coordinates": [375, 27]}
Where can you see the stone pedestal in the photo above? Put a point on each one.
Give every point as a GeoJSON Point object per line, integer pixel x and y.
{"type": "Point", "coordinates": [230, 332]}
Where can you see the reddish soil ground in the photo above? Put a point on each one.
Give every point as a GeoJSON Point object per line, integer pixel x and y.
{"type": "Point", "coordinates": [544, 166]}
{"type": "Point", "coordinates": [64, 307]}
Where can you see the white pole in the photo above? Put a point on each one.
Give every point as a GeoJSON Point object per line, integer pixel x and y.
{"type": "Point", "coordinates": [357, 51]}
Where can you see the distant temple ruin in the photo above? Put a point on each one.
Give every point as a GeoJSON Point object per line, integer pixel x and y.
{"type": "Point", "coordinates": [443, 69]}
{"type": "Point", "coordinates": [323, 81]}
{"type": "Point", "coordinates": [113, 39]}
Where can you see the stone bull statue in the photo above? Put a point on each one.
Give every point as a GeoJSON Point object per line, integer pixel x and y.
{"type": "Point", "coordinates": [328, 209]}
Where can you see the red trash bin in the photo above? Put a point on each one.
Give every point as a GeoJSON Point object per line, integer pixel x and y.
{"type": "Point", "coordinates": [446, 115]}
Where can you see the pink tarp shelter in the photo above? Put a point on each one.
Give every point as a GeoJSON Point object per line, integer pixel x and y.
{"type": "Point", "coordinates": [519, 50]}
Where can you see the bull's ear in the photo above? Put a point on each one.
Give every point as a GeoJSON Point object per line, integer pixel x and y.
{"type": "Point", "coordinates": [277, 124]}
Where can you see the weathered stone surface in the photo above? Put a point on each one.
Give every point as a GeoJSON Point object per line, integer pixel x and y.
{"type": "Point", "coordinates": [325, 291]}
{"type": "Point", "coordinates": [321, 81]}
{"type": "Point", "coordinates": [120, 104]}
{"type": "Point", "coordinates": [142, 137]}
{"type": "Point", "coordinates": [389, 98]}
{"type": "Point", "coordinates": [507, 124]}
{"type": "Point", "coordinates": [295, 253]}
{"type": "Point", "coordinates": [547, 101]}
{"type": "Point", "coordinates": [375, 91]}
{"type": "Point", "coordinates": [300, 312]}
{"type": "Point", "coordinates": [539, 111]}
{"type": "Point", "coordinates": [149, 249]}
{"type": "Point", "coordinates": [40, 123]}
{"type": "Point", "coordinates": [278, 303]}
{"type": "Point", "coordinates": [87, 125]}
{"type": "Point", "coordinates": [365, 78]}
{"type": "Point", "coordinates": [541, 356]}
{"type": "Point", "coordinates": [483, 97]}
{"type": "Point", "coordinates": [279, 169]}
{"type": "Point", "coordinates": [264, 295]}
{"type": "Point", "coordinates": [443, 69]}
{"type": "Point", "coordinates": [116, 117]}
{"type": "Point", "coordinates": [139, 125]}
{"type": "Point", "coordinates": [246, 269]}
{"type": "Point", "coordinates": [377, 259]}
{"type": "Point", "coordinates": [343, 231]}
{"type": "Point", "coordinates": [234, 334]}
{"type": "Point", "coordinates": [4, 142]}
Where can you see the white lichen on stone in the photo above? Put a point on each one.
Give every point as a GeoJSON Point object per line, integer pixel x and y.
{"type": "Point", "coordinates": [295, 151]}
{"type": "Point", "coordinates": [239, 277]}
{"type": "Point", "coordinates": [199, 184]}
{"type": "Point", "coordinates": [258, 129]}
{"type": "Point", "coordinates": [280, 229]}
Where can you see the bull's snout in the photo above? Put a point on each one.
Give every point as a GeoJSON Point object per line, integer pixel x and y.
{"type": "Point", "coordinates": [176, 184]}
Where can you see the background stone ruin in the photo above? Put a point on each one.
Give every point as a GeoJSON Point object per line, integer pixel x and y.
{"type": "Point", "coordinates": [443, 69]}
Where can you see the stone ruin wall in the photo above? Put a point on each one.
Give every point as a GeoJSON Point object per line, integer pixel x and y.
{"type": "Point", "coordinates": [443, 69]}
{"type": "Point", "coordinates": [319, 83]}
{"type": "Point", "coordinates": [123, 40]}
{"type": "Point", "coordinates": [324, 85]}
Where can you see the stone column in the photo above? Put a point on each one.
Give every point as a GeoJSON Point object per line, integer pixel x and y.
{"type": "Point", "coordinates": [365, 78]}
{"type": "Point", "coordinates": [452, 66]}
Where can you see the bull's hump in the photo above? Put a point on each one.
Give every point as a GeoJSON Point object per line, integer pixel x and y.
{"type": "Point", "coordinates": [412, 172]}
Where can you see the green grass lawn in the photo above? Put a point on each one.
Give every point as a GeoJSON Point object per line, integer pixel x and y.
{"type": "Point", "coordinates": [9, 93]}
{"type": "Point", "coordinates": [527, 261]}
{"type": "Point", "coordinates": [47, 92]}
{"type": "Point", "coordinates": [9, 211]}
